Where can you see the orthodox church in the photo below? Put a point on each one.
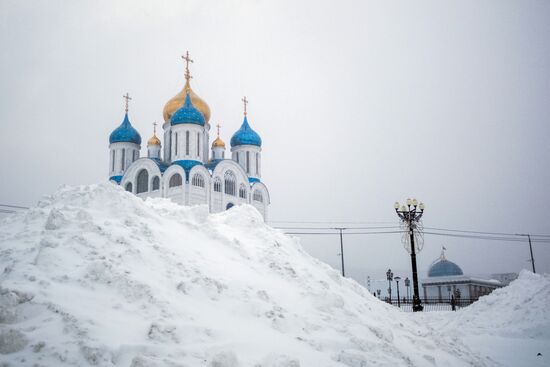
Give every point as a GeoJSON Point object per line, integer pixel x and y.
{"type": "Point", "coordinates": [184, 170]}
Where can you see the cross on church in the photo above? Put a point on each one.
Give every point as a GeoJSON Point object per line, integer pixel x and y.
{"type": "Point", "coordinates": [245, 102]}
{"type": "Point", "coordinates": [218, 126]}
{"type": "Point", "coordinates": [155, 128]}
{"type": "Point", "coordinates": [187, 61]}
{"type": "Point", "coordinates": [127, 98]}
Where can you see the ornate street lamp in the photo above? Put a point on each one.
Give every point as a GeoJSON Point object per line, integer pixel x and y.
{"type": "Point", "coordinates": [407, 285]}
{"type": "Point", "coordinates": [389, 277]}
{"type": "Point", "coordinates": [412, 239]}
{"type": "Point", "coordinates": [397, 279]}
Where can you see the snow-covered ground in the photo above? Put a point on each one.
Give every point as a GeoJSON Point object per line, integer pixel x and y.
{"type": "Point", "coordinates": [96, 276]}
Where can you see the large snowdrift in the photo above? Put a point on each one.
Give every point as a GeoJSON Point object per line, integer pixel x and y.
{"type": "Point", "coordinates": [96, 276]}
{"type": "Point", "coordinates": [519, 310]}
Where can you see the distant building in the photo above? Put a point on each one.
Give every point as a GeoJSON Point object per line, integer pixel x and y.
{"type": "Point", "coordinates": [446, 278]}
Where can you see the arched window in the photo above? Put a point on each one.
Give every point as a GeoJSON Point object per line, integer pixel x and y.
{"type": "Point", "coordinates": [176, 144]}
{"type": "Point", "coordinates": [156, 183]}
{"type": "Point", "coordinates": [129, 187]}
{"type": "Point", "coordinates": [247, 162]}
{"type": "Point", "coordinates": [123, 158]}
{"type": "Point", "coordinates": [242, 192]}
{"type": "Point", "coordinates": [197, 180]}
{"type": "Point", "coordinates": [229, 181]}
{"type": "Point", "coordinates": [187, 142]}
{"type": "Point", "coordinates": [113, 160]}
{"type": "Point", "coordinates": [175, 180]}
{"type": "Point", "coordinates": [257, 163]}
{"type": "Point", "coordinates": [217, 184]}
{"type": "Point", "coordinates": [142, 181]}
{"type": "Point", "coordinates": [258, 196]}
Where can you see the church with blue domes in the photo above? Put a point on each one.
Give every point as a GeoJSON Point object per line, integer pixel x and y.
{"type": "Point", "coordinates": [186, 168]}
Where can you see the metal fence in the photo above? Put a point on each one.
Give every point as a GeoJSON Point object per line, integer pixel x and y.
{"type": "Point", "coordinates": [432, 304]}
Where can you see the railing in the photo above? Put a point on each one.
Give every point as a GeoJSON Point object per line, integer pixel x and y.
{"type": "Point", "coordinates": [432, 304]}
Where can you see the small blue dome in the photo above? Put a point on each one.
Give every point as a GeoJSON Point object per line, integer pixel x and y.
{"type": "Point", "coordinates": [125, 133]}
{"type": "Point", "coordinates": [187, 114]}
{"type": "Point", "coordinates": [246, 136]}
{"type": "Point", "coordinates": [444, 268]}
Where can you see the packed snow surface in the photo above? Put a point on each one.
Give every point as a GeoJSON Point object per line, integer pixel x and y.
{"type": "Point", "coordinates": [96, 276]}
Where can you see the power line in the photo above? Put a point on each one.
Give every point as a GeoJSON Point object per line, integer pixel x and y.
{"type": "Point", "coordinates": [14, 206]}
{"type": "Point", "coordinates": [334, 231]}
{"type": "Point", "coordinates": [481, 232]}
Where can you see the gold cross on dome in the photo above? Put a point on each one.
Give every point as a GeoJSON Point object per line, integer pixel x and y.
{"type": "Point", "coordinates": [187, 61]}
{"type": "Point", "coordinates": [155, 128]}
{"type": "Point", "coordinates": [245, 102]}
{"type": "Point", "coordinates": [127, 98]}
{"type": "Point", "coordinates": [218, 126]}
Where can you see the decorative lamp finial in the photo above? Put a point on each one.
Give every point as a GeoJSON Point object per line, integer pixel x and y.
{"type": "Point", "coordinates": [127, 98]}
{"type": "Point", "coordinates": [245, 102]}
{"type": "Point", "coordinates": [187, 61]}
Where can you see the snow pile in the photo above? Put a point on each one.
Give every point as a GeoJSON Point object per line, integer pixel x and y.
{"type": "Point", "coordinates": [518, 310]}
{"type": "Point", "coordinates": [96, 276]}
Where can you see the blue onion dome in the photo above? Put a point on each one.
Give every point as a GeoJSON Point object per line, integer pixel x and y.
{"type": "Point", "coordinates": [187, 114]}
{"type": "Point", "coordinates": [125, 133]}
{"type": "Point", "coordinates": [444, 268]}
{"type": "Point", "coordinates": [246, 136]}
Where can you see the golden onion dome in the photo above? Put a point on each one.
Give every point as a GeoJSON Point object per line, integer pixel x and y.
{"type": "Point", "coordinates": [218, 143]}
{"type": "Point", "coordinates": [154, 140]}
{"type": "Point", "coordinates": [178, 100]}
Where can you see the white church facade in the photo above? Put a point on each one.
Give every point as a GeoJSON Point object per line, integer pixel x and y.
{"type": "Point", "coordinates": [185, 170]}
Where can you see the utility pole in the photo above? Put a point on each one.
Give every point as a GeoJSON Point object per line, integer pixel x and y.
{"type": "Point", "coordinates": [530, 249]}
{"type": "Point", "coordinates": [342, 250]}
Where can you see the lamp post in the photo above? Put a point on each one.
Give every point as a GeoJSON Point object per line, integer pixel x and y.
{"type": "Point", "coordinates": [410, 217]}
{"type": "Point", "coordinates": [397, 279]}
{"type": "Point", "coordinates": [389, 277]}
{"type": "Point", "coordinates": [407, 285]}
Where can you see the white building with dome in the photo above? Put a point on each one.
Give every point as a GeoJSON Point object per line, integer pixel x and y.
{"type": "Point", "coordinates": [445, 278]}
{"type": "Point", "coordinates": [187, 170]}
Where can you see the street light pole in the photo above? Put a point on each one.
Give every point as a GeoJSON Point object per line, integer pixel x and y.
{"type": "Point", "coordinates": [410, 216]}
{"type": "Point", "coordinates": [407, 285]}
{"type": "Point", "coordinates": [389, 277]}
{"type": "Point", "coordinates": [397, 279]}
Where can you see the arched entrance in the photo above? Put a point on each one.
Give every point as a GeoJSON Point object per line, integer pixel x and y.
{"type": "Point", "coordinates": [229, 206]}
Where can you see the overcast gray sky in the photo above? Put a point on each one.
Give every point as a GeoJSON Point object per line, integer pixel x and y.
{"type": "Point", "coordinates": [358, 104]}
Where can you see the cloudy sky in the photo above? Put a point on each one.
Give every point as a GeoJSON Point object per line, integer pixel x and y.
{"type": "Point", "coordinates": [359, 104]}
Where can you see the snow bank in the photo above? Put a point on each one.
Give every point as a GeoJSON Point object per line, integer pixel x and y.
{"type": "Point", "coordinates": [96, 276]}
{"type": "Point", "coordinates": [519, 310]}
